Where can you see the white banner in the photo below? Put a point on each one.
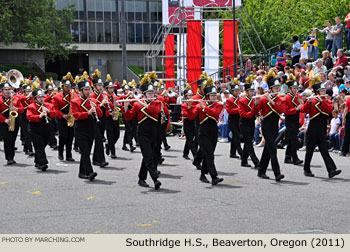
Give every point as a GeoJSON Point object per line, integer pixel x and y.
{"type": "Point", "coordinates": [211, 60]}
{"type": "Point", "coordinates": [181, 60]}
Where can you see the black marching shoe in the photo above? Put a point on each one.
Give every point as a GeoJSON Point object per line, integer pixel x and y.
{"type": "Point", "coordinates": [342, 154]}
{"type": "Point", "coordinates": [142, 183]}
{"type": "Point", "coordinates": [70, 159]}
{"type": "Point", "coordinates": [279, 177]}
{"type": "Point", "coordinates": [216, 180]}
{"type": "Point", "coordinates": [186, 157]}
{"type": "Point", "coordinates": [36, 165]}
{"type": "Point", "coordinates": [107, 149]}
{"type": "Point", "coordinates": [161, 160]}
{"type": "Point", "coordinates": [167, 147]}
{"type": "Point", "coordinates": [43, 167]}
{"type": "Point", "coordinates": [29, 153]}
{"type": "Point", "coordinates": [125, 148]}
{"type": "Point", "coordinates": [233, 156]}
{"type": "Point", "coordinates": [82, 176]}
{"type": "Point", "coordinates": [132, 148]}
{"type": "Point", "coordinates": [54, 147]}
{"type": "Point", "coordinates": [96, 163]}
{"type": "Point", "coordinates": [198, 166]}
{"type": "Point", "coordinates": [203, 178]}
{"type": "Point", "coordinates": [113, 156]}
{"type": "Point", "coordinates": [76, 149]}
{"type": "Point", "coordinates": [60, 156]}
{"type": "Point", "coordinates": [245, 165]}
{"type": "Point", "coordinates": [157, 184]}
{"type": "Point", "coordinates": [103, 164]}
{"type": "Point", "coordinates": [334, 173]}
{"type": "Point", "coordinates": [288, 161]}
{"type": "Point", "coordinates": [263, 176]}
{"type": "Point", "coordinates": [92, 176]}
{"type": "Point", "coordinates": [10, 162]}
{"type": "Point", "coordinates": [298, 162]}
{"type": "Point", "coordinates": [308, 174]}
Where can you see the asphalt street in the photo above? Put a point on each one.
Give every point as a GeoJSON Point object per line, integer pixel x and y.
{"type": "Point", "coordinates": [57, 201]}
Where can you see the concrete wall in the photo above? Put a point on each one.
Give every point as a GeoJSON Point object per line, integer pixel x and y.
{"type": "Point", "coordinates": [22, 57]}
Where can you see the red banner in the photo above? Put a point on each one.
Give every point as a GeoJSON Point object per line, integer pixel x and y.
{"type": "Point", "coordinates": [228, 52]}
{"type": "Point", "coordinates": [212, 3]}
{"type": "Point", "coordinates": [170, 62]}
{"type": "Point", "coordinates": [194, 47]}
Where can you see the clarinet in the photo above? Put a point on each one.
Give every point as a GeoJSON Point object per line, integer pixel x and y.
{"type": "Point", "coordinates": [109, 107]}
{"type": "Point", "coordinates": [46, 120]}
{"type": "Point", "coordinates": [96, 116]}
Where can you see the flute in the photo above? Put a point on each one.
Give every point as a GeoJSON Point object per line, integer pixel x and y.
{"type": "Point", "coordinates": [259, 96]}
{"type": "Point", "coordinates": [315, 96]}
{"type": "Point", "coordinates": [96, 116]}
{"type": "Point", "coordinates": [199, 101]}
{"type": "Point", "coordinates": [130, 100]}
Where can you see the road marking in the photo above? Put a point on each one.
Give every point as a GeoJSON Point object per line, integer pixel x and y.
{"type": "Point", "coordinates": [3, 183]}
{"type": "Point", "coordinates": [90, 198]}
{"type": "Point", "coordinates": [144, 225]}
{"type": "Point", "coordinates": [98, 232]}
{"type": "Point", "coordinates": [34, 192]}
{"type": "Point", "coordinates": [155, 221]}
{"type": "Point", "coordinates": [61, 164]}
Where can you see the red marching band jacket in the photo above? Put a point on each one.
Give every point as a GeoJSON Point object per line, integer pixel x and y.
{"type": "Point", "coordinates": [5, 106]}
{"type": "Point", "coordinates": [291, 102]}
{"type": "Point", "coordinates": [316, 108]}
{"type": "Point", "coordinates": [232, 106]}
{"type": "Point", "coordinates": [184, 108]}
{"type": "Point", "coordinates": [49, 98]}
{"type": "Point", "coordinates": [165, 105]}
{"type": "Point", "coordinates": [34, 110]}
{"type": "Point", "coordinates": [265, 107]}
{"type": "Point", "coordinates": [99, 98]}
{"type": "Point", "coordinates": [25, 101]}
{"type": "Point", "coordinates": [124, 97]}
{"type": "Point", "coordinates": [211, 111]}
{"type": "Point", "coordinates": [60, 102]}
{"type": "Point", "coordinates": [247, 108]}
{"type": "Point", "coordinates": [144, 113]}
{"type": "Point", "coordinates": [112, 101]}
{"type": "Point", "coordinates": [81, 107]}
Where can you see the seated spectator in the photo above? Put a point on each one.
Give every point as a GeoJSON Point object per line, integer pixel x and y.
{"type": "Point", "coordinates": [324, 80]}
{"type": "Point", "coordinates": [304, 80]}
{"type": "Point", "coordinates": [258, 82]}
{"type": "Point", "coordinates": [327, 59]}
{"type": "Point", "coordinates": [338, 83]}
{"type": "Point", "coordinates": [309, 71]}
{"type": "Point", "coordinates": [218, 86]}
{"type": "Point", "coordinates": [319, 67]}
{"type": "Point", "coordinates": [334, 131]}
{"type": "Point", "coordinates": [302, 62]}
{"type": "Point", "coordinates": [345, 86]}
{"type": "Point", "coordinates": [255, 69]}
{"type": "Point", "coordinates": [223, 126]}
{"type": "Point", "coordinates": [341, 59]}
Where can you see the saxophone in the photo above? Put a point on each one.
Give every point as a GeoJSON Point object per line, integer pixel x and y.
{"type": "Point", "coordinates": [13, 115]}
{"type": "Point", "coordinates": [71, 120]}
{"type": "Point", "coordinates": [116, 110]}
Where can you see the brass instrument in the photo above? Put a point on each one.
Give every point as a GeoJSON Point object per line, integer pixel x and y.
{"type": "Point", "coordinates": [13, 115]}
{"type": "Point", "coordinates": [116, 111]}
{"type": "Point", "coordinates": [71, 120]}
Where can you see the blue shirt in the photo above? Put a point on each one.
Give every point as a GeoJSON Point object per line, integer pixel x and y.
{"type": "Point", "coordinates": [242, 78]}
{"type": "Point", "coordinates": [342, 86]}
{"type": "Point", "coordinates": [296, 46]}
{"type": "Point", "coordinates": [280, 54]}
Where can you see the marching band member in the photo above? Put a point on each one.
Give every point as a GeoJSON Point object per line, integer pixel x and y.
{"type": "Point", "coordinates": [318, 109]}
{"type": "Point", "coordinates": [39, 114]}
{"type": "Point", "coordinates": [86, 111]}
{"type": "Point", "coordinates": [233, 119]}
{"type": "Point", "coordinates": [147, 111]}
{"type": "Point", "coordinates": [26, 100]}
{"type": "Point", "coordinates": [292, 105]}
{"type": "Point", "coordinates": [247, 112]}
{"type": "Point", "coordinates": [112, 121]}
{"type": "Point", "coordinates": [49, 98]}
{"type": "Point", "coordinates": [189, 128]}
{"type": "Point", "coordinates": [9, 137]}
{"type": "Point", "coordinates": [61, 103]}
{"type": "Point", "coordinates": [208, 113]}
{"type": "Point", "coordinates": [270, 108]}
{"type": "Point", "coordinates": [98, 157]}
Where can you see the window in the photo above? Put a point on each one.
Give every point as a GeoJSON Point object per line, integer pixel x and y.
{"type": "Point", "coordinates": [130, 37]}
{"type": "Point", "coordinates": [154, 30]}
{"type": "Point", "coordinates": [100, 33]}
{"type": "Point", "coordinates": [140, 10]}
{"type": "Point", "coordinates": [129, 9]}
{"type": "Point", "coordinates": [99, 10]}
{"type": "Point", "coordinates": [108, 32]}
{"type": "Point", "coordinates": [92, 32]}
{"type": "Point", "coordinates": [115, 32]}
{"type": "Point", "coordinates": [91, 7]}
{"type": "Point", "coordinates": [83, 32]}
{"type": "Point", "coordinates": [75, 31]}
{"type": "Point", "coordinates": [146, 33]}
{"type": "Point", "coordinates": [153, 10]}
{"type": "Point", "coordinates": [138, 33]}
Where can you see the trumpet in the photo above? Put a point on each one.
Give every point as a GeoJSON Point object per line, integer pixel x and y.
{"type": "Point", "coordinates": [259, 96]}
{"type": "Point", "coordinates": [94, 105]}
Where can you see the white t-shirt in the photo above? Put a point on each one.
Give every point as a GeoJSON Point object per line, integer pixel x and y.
{"type": "Point", "coordinates": [304, 53]}
{"type": "Point", "coordinates": [334, 123]}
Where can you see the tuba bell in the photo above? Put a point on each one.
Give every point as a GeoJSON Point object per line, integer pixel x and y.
{"type": "Point", "coordinates": [14, 78]}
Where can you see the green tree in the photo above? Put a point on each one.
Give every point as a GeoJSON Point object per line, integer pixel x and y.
{"type": "Point", "coordinates": [277, 21]}
{"type": "Point", "coordinates": [38, 24]}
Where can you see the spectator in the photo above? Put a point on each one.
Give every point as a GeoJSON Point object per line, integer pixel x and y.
{"type": "Point", "coordinates": [223, 125]}
{"type": "Point", "coordinates": [338, 36]}
{"type": "Point", "coordinates": [312, 41]}
{"type": "Point", "coordinates": [248, 64]}
{"type": "Point", "coordinates": [295, 53]}
{"type": "Point", "coordinates": [309, 71]}
{"type": "Point", "coordinates": [284, 86]}
{"type": "Point", "coordinates": [329, 35]}
{"type": "Point", "coordinates": [255, 69]}
{"type": "Point", "coordinates": [224, 92]}
{"type": "Point", "coordinates": [304, 80]}
{"type": "Point", "coordinates": [346, 73]}
{"type": "Point", "coordinates": [334, 132]}
{"type": "Point", "coordinates": [304, 51]}
{"type": "Point", "coordinates": [324, 80]}
{"type": "Point", "coordinates": [347, 31]}
{"type": "Point", "coordinates": [258, 82]}
{"type": "Point", "coordinates": [338, 83]}
{"type": "Point", "coordinates": [282, 55]}
{"type": "Point", "coordinates": [319, 67]}
{"type": "Point", "coordinates": [302, 63]}
{"type": "Point", "coordinates": [228, 79]}
{"type": "Point", "coordinates": [342, 59]}
{"type": "Point", "coordinates": [327, 59]}
{"type": "Point", "coordinates": [298, 69]}
{"type": "Point", "coordinates": [345, 86]}
{"type": "Point", "coordinates": [241, 75]}
{"type": "Point", "coordinates": [218, 86]}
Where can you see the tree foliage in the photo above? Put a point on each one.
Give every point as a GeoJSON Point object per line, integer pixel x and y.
{"type": "Point", "coordinates": [38, 24]}
{"type": "Point", "coordinates": [277, 21]}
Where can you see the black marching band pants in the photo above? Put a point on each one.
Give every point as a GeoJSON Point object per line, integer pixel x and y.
{"type": "Point", "coordinates": [66, 135]}
{"type": "Point", "coordinates": [9, 138]}
{"type": "Point", "coordinates": [292, 124]}
{"type": "Point", "coordinates": [346, 143]}
{"type": "Point", "coordinates": [233, 122]}
{"type": "Point", "coordinates": [190, 145]}
{"type": "Point", "coordinates": [113, 133]}
{"type": "Point", "coordinates": [247, 126]}
{"type": "Point", "coordinates": [24, 130]}
{"type": "Point", "coordinates": [98, 155]}
{"type": "Point", "coordinates": [40, 135]}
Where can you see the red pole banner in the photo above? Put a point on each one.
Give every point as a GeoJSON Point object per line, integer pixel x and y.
{"type": "Point", "coordinates": [170, 62]}
{"type": "Point", "coordinates": [228, 49]}
{"type": "Point", "coordinates": [194, 47]}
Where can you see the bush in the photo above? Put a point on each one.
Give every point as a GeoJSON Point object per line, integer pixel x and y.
{"type": "Point", "coordinates": [138, 71]}
{"type": "Point", "coordinates": [28, 69]}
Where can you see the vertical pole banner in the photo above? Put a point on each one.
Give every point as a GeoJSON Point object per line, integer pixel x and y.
{"type": "Point", "coordinates": [194, 47]}
{"type": "Point", "coordinates": [181, 60]}
{"type": "Point", "coordinates": [211, 58]}
{"type": "Point", "coordinates": [170, 62]}
{"type": "Point", "coordinates": [228, 49]}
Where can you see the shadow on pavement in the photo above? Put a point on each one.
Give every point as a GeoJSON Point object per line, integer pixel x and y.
{"type": "Point", "coordinates": [226, 173]}
{"type": "Point", "coordinates": [49, 171]}
{"type": "Point", "coordinates": [288, 182]}
{"type": "Point", "coordinates": [160, 191]}
{"type": "Point", "coordinates": [224, 186]}
{"type": "Point", "coordinates": [169, 176]}
{"type": "Point", "coordinates": [112, 168]}
{"type": "Point", "coordinates": [100, 182]}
